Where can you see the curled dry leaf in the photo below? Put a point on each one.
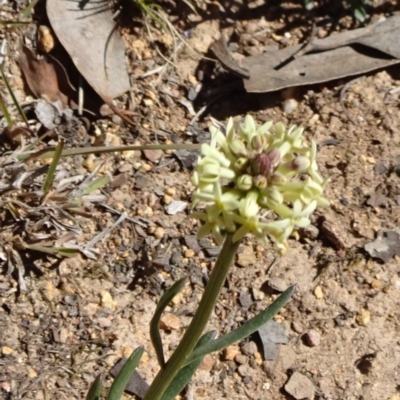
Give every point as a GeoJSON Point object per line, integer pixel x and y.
{"type": "Point", "coordinates": [89, 35]}
{"type": "Point", "coordinates": [46, 78]}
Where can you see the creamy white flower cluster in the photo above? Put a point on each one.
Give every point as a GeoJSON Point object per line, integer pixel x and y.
{"type": "Point", "coordinates": [262, 180]}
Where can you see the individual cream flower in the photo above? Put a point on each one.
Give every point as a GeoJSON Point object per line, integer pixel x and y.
{"type": "Point", "coordinates": [254, 172]}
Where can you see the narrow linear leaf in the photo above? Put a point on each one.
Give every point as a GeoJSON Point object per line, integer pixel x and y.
{"type": "Point", "coordinates": [55, 251]}
{"type": "Point", "coordinates": [5, 112]}
{"type": "Point", "coordinates": [14, 99]}
{"type": "Point", "coordinates": [52, 169]}
{"type": "Point", "coordinates": [14, 24]}
{"type": "Point", "coordinates": [95, 388]}
{"type": "Point", "coordinates": [121, 380]}
{"type": "Point", "coordinates": [246, 329]}
{"type": "Point", "coordinates": [27, 11]}
{"type": "Point", "coordinates": [184, 375]}
{"type": "Point", "coordinates": [49, 153]}
{"type": "Point", "coordinates": [155, 336]}
{"type": "Point", "coordinates": [96, 184]}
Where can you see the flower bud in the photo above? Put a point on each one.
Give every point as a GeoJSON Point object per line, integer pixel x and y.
{"type": "Point", "coordinates": [260, 181]}
{"type": "Point", "coordinates": [259, 143]}
{"type": "Point", "coordinates": [264, 163]}
{"type": "Point", "coordinates": [244, 182]}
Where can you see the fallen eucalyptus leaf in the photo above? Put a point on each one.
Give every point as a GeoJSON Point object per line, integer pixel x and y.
{"type": "Point", "coordinates": [337, 56]}
{"type": "Point", "coordinates": [89, 35]}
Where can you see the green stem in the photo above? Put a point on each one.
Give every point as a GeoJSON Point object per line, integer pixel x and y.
{"type": "Point", "coordinates": [198, 323]}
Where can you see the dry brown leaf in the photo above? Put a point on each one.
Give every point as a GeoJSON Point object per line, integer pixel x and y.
{"type": "Point", "coordinates": [334, 57]}
{"type": "Point", "coordinates": [46, 77]}
{"type": "Point", "coordinates": [89, 35]}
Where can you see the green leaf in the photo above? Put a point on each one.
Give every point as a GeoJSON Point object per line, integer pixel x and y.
{"type": "Point", "coordinates": [54, 162]}
{"type": "Point", "coordinates": [5, 112]}
{"type": "Point", "coordinates": [95, 388]}
{"type": "Point", "coordinates": [245, 330]}
{"type": "Point", "coordinates": [96, 184]}
{"type": "Point", "coordinates": [121, 380]}
{"type": "Point", "coordinates": [155, 336]}
{"type": "Point", "coordinates": [184, 375]}
{"type": "Point", "coordinates": [14, 99]}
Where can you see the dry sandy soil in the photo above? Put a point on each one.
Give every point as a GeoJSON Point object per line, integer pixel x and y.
{"type": "Point", "coordinates": [78, 316]}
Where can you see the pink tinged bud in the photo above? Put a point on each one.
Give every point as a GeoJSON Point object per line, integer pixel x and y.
{"type": "Point", "coordinates": [300, 164]}
{"type": "Point", "coordinates": [264, 164]}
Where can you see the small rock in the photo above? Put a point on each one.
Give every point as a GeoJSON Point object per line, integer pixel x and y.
{"type": "Point", "coordinates": [277, 284]}
{"type": "Point", "coordinates": [257, 294]}
{"type": "Point", "coordinates": [246, 258]}
{"type": "Point", "coordinates": [63, 335]}
{"type": "Point", "coordinates": [189, 253]}
{"type": "Point", "coordinates": [107, 301]}
{"type": "Point", "coordinates": [297, 327]}
{"type": "Point", "coordinates": [192, 243]}
{"type": "Point", "coordinates": [167, 199]}
{"type": "Point", "coordinates": [249, 348]}
{"type": "Point", "coordinates": [104, 322]}
{"type": "Point", "coordinates": [153, 155]}
{"type": "Point", "coordinates": [312, 338]}
{"type": "Point", "coordinates": [363, 317]}
{"type": "Point", "coordinates": [159, 232]}
{"type": "Point", "coordinates": [300, 387]}
{"type": "Point", "coordinates": [289, 106]}
{"type": "Point", "coordinates": [231, 352]}
{"type": "Point", "coordinates": [207, 363]}
{"type": "Point", "coordinates": [241, 359]}
{"type": "Point", "coordinates": [245, 300]}
{"type": "Point", "coordinates": [169, 322]}
{"type": "Point", "coordinates": [318, 292]}
{"type": "Point", "coordinates": [376, 284]}
{"type": "Point", "coordinates": [32, 373]}
{"type": "Point", "coordinates": [6, 350]}
{"type": "Point", "coordinates": [245, 370]}
{"type": "Point", "coordinates": [175, 207]}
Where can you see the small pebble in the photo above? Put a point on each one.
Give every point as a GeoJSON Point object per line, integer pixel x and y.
{"type": "Point", "coordinates": [241, 359]}
{"type": "Point", "coordinates": [312, 338]}
{"type": "Point", "coordinates": [189, 253]}
{"type": "Point", "coordinates": [289, 106]}
{"type": "Point", "coordinates": [257, 294]}
{"type": "Point", "coordinates": [363, 317]}
{"type": "Point", "coordinates": [170, 322]}
{"type": "Point", "coordinates": [376, 284]}
{"type": "Point", "coordinates": [277, 284]}
{"type": "Point", "coordinates": [207, 363]}
{"type": "Point", "coordinates": [246, 257]}
{"type": "Point", "coordinates": [245, 371]}
{"type": "Point", "coordinates": [297, 327]}
{"type": "Point", "coordinates": [159, 232]}
{"type": "Point", "coordinates": [231, 352]}
{"type": "Point", "coordinates": [249, 348]}
{"type": "Point", "coordinates": [300, 387]}
{"type": "Point", "coordinates": [6, 350]}
{"type": "Point", "coordinates": [318, 292]}
{"type": "Point", "coordinates": [104, 322]}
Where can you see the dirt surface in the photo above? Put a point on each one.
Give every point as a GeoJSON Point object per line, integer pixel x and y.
{"type": "Point", "coordinates": [78, 316]}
